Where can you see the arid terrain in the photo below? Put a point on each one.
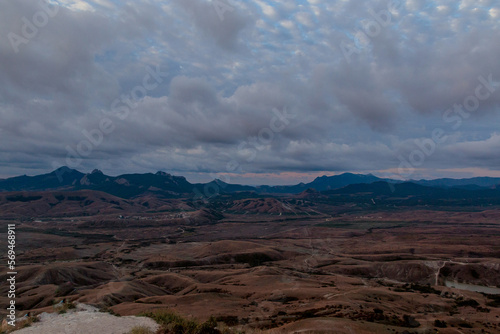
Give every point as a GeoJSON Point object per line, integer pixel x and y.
{"type": "Point", "coordinates": [282, 264]}
{"type": "Point", "coordinates": [249, 166]}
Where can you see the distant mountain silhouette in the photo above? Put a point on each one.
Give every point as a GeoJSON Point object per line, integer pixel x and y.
{"type": "Point", "coordinates": [222, 187]}
{"type": "Point", "coordinates": [167, 185]}
{"type": "Point", "coordinates": [339, 181]}
{"type": "Point", "coordinates": [124, 186]}
{"type": "Point", "coordinates": [61, 178]}
{"type": "Point", "coordinates": [322, 183]}
{"type": "Point", "coordinates": [131, 185]}
{"type": "Point", "coordinates": [409, 193]}
{"type": "Point", "coordinates": [471, 183]}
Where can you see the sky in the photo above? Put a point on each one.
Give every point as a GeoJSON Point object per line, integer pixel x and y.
{"type": "Point", "coordinates": [252, 92]}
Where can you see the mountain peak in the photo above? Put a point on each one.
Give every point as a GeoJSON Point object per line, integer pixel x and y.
{"type": "Point", "coordinates": [161, 173]}
{"type": "Point", "coordinates": [64, 169]}
{"type": "Point", "coordinates": [219, 181]}
{"type": "Point", "coordinates": [96, 171]}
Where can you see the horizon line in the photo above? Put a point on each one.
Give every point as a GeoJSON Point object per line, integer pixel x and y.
{"type": "Point", "coordinates": [257, 185]}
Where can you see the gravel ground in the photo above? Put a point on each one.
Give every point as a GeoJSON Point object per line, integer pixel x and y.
{"type": "Point", "coordinates": [86, 319]}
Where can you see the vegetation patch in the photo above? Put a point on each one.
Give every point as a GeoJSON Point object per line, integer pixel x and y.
{"type": "Point", "coordinates": [21, 198]}
{"type": "Point", "coordinates": [174, 323]}
{"type": "Point", "coordinates": [141, 330]}
{"type": "Point", "coordinates": [461, 302]}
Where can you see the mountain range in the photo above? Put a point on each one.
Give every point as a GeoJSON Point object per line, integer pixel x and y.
{"type": "Point", "coordinates": [170, 186]}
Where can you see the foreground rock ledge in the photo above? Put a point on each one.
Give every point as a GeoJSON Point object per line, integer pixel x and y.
{"type": "Point", "coordinates": [86, 319]}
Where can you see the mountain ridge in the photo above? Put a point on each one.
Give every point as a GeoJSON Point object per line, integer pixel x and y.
{"type": "Point", "coordinates": [168, 185]}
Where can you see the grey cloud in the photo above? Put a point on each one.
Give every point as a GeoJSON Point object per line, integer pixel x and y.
{"type": "Point", "coordinates": [222, 24]}
{"type": "Point", "coordinates": [225, 77]}
{"type": "Point", "coordinates": [484, 153]}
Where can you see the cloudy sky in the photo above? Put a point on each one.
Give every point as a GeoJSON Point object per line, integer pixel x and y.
{"type": "Point", "coordinates": [254, 91]}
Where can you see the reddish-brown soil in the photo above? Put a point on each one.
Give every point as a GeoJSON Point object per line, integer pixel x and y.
{"type": "Point", "coordinates": [350, 272]}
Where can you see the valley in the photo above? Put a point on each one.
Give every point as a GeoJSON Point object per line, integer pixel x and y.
{"type": "Point", "coordinates": [278, 264]}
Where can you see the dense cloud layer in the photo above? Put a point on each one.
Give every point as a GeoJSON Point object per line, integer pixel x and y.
{"type": "Point", "coordinates": [250, 88]}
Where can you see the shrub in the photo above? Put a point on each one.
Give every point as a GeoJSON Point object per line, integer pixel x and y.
{"type": "Point", "coordinates": [208, 327]}
{"type": "Point", "coordinates": [232, 320]}
{"type": "Point", "coordinates": [172, 323]}
{"type": "Point", "coordinates": [440, 324]}
{"type": "Point", "coordinates": [65, 306]}
{"type": "Point", "coordinates": [410, 321]}
{"type": "Point", "coordinates": [465, 324]}
{"type": "Point", "coordinates": [140, 330]}
{"type": "Point", "coordinates": [466, 302]}
{"type": "Point", "coordinates": [110, 311]}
